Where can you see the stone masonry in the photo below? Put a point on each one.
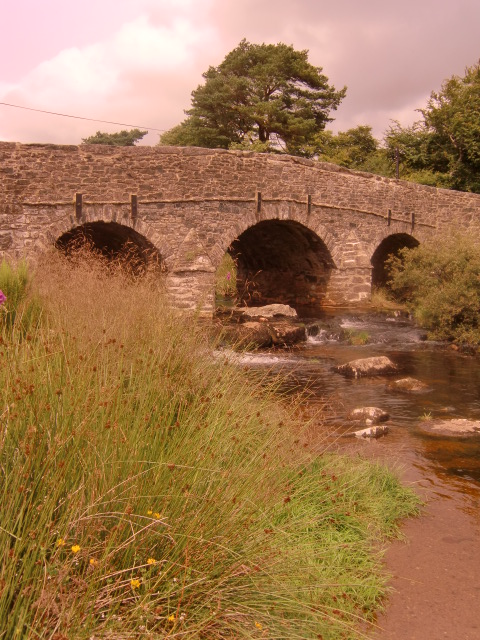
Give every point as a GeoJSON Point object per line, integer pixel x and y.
{"type": "Point", "coordinates": [307, 231]}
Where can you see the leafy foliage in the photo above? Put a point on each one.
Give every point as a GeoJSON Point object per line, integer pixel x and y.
{"type": "Point", "coordinates": [443, 149]}
{"type": "Point", "coordinates": [350, 148]}
{"type": "Point", "coordinates": [440, 282]}
{"type": "Point", "coordinates": [263, 93]}
{"type": "Point", "coordinates": [122, 138]}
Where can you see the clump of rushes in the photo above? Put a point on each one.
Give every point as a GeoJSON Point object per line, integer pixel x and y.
{"type": "Point", "coordinates": [148, 490]}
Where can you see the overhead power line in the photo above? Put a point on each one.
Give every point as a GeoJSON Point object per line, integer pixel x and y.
{"type": "Point", "coordinates": [66, 115]}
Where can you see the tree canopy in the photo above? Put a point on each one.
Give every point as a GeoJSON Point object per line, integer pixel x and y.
{"type": "Point", "coordinates": [119, 139]}
{"type": "Point", "coordinates": [264, 96]}
{"type": "Point", "coordinates": [443, 149]}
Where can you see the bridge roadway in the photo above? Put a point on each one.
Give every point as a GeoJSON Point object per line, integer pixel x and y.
{"type": "Point", "coordinates": [302, 232]}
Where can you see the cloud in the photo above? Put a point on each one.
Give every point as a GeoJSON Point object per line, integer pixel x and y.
{"type": "Point", "coordinates": [142, 74]}
{"type": "Point", "coordinates": [137, 61]}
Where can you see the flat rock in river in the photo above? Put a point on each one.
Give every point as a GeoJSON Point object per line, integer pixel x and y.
{"type": "Point", "coordinates": [269, 311]}
{"type": "Point", "coordinates": [454, 427]}
{"type": "Point", "coordinates": [369, 415]}
{"type": "Point", "coordinates": [409, 385]}
{"type": "Point", "coordinates": [376, 366]}
{"type": "Point", "coordinates": [371, 432]}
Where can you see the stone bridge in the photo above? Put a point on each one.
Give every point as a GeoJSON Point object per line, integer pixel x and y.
{"type": "Point", "coordinates": [302, 232]}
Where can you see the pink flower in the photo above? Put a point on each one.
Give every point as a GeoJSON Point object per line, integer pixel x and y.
{"type": "Point", "coordinates": [228, 275]}
{"type": "Point", "coordinates": [3, 297]}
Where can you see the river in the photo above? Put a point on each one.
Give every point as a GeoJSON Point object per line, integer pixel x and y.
{"type": "Point", "coordinates": [436, 592]}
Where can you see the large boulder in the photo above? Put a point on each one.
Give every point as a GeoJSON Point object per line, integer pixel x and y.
{"type": "Point", "coordinates": [455, 427]}
{"type": "Point", "coordinates": [285, 334]}
{"type": "Point", "coordinates": [369, 415]}
{"type": "Point", "coordinates": [269, 311]}
{"type": "Point", "coordinates": [376, 366]}
{"type": "Point", "coordinates": [409, 385]}
{"type": "Point", "coordinates": [249, 334]}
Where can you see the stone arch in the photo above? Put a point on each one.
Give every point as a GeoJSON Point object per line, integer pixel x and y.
{"type": "Point", "coordinates": [390, 246]}
{"type": "Point", "coordinates": [281, 261]}
{"type": "Point", "coordinates": [114, 241]}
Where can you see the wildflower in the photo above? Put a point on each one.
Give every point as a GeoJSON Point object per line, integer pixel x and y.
{"type": "Point", "coordinates": [76, 548]}
{"type": "Point", "coordinates": [258, 625]}
{"type": "Point", "coordinates": [228, 276]}
{"type": "Point", "coordinates": [3, 297]}
{"type": "Point", "coordinates": [93, 562]}
{"type": "Point", "coordinates": [171, 618]}
{"type": "Point", "coordinates": [149, 512]}
{"type": "Point", "coordinates": [60, 542]}
{"type": "Point", "coordinates": [151, 561]}
{"type": "Point", "coordinates": [157, 515]}
{"type": "Point", "coordinates": [134, 583]}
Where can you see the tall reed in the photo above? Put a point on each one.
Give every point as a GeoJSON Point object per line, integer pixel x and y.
{"type": "Point", "coordinates": [151, 491]}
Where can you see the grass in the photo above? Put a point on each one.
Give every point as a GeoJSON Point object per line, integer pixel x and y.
{"type": "Point", "coordinates": [356, 337]}
{"type": "Point", "coordinates": [151, 491]}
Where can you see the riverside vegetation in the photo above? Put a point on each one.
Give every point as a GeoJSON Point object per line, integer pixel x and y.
{"type": "Point", "coordinates": [439, 281]}
{"type": "Point", "coordinates": [150, 490]}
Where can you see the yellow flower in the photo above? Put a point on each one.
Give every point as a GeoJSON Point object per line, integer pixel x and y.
{"type": "Point", "coordinates": [93, 562]}
{"type": "Point", "coordinates": [134, 583]}
{"type": "Point", "coordinates": [149, 512]}
{"type": "Point", "coordinates": [76, 548]}
{"type": "Point", "coordinates": [258, 625]}
{"type": "Point", "coordinates": [151, 561]}
{"type": "Point", "coordinates": [171, 618]}
{"type": "Point", "coordinates": [60, 542]}
{"type": "Point", "coordinates": [157, 515]}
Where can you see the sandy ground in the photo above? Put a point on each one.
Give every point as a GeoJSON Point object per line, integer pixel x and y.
{"type": "Point", "coordinates": [436, 570]}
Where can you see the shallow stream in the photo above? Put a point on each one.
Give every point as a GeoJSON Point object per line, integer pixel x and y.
{"type": "Point", "coordinates": [435, 571]}
{"type": "Point", "coordinates": [453, 379]}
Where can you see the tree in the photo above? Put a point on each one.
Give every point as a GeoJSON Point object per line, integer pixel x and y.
{"type": "Point", "coordinates": [120, 139]}
{"type": "Point", "coordinates": [443, 149]}
{"type": "Point", "coordinates": [350, 148]}
{"type": "Point", "coordinates": [267, 94]}
{"type": "Point", "coordinates": [453, 117]}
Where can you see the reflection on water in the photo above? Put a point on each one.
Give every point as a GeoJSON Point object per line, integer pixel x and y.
{"type": "Point", "coordinates": [454, 380]}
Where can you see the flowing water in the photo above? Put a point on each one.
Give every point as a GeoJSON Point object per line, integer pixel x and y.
{"type": "Point", "coordinates": [436, 574]}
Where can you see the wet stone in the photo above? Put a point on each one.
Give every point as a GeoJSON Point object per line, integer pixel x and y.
{"type": "Point", "coordinates": [454, 427]}
{"type": "Point", "coordinates": [376, 366]}
{"type": "Point", "coordinates": [369, 415]}
{"type": "Point", "coordinates": [409, 385]}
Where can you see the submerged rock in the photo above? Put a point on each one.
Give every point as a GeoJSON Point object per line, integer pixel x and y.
{"type": "Point", "coordinates": [453, 427]}
{"type": "Point", "coordinates": [369, 415]}
{"type": "Point", "coordinates": [371, 432]}
{"type": "Point", "coordinates": [269, 311]}
{"type": "Point", "coordinates": [409, 385]}
{"type": "Point", "coordinates": [376, 366]}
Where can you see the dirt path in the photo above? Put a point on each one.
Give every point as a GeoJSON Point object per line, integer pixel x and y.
{"type": "Point", "coordinates": [436, 571]}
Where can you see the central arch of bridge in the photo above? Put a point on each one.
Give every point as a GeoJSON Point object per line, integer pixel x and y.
{"type": "Point", "coordinates": [281, 261]}
{"type": "Point", "coordinates": [115, 242]}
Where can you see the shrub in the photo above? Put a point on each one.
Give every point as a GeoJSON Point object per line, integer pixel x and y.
{"type": "Point", "coordinates": [440, 282]}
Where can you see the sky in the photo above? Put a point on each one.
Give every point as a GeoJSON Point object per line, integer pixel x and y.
{"type": "Point", "coordinates": [136, 62]}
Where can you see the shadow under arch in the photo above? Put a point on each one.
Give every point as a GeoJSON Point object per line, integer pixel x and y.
{"type": "Point", "coordinates": [115, 242]}
{"type": "Point", "coordinates": [390, 246]}
{"type": "Point", "coordinates": [280, 261]}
